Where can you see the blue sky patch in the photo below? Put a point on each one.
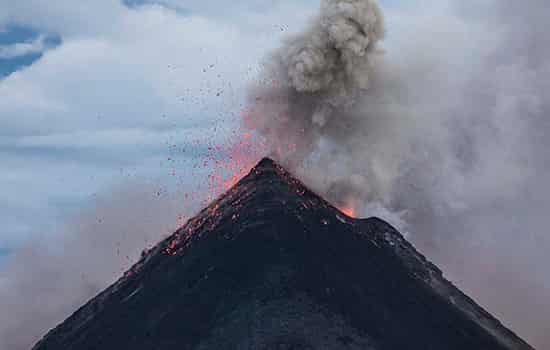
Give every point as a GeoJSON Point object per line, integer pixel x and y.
{"type": "Point", "coordinates": [4, 252]}
{"type": "Point", "coordinates": [15, 34]}
{"type": "Point", "coordinates": [22, 46]}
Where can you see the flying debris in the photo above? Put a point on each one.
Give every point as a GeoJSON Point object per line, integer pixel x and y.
{"type": "Point", "coordinates": [271, 265]}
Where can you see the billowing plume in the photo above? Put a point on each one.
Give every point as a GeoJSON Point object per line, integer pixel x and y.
{"type": "Point", "coordinates": [331, 58]}
{"type": "Point", "coordinates": [314, 77]}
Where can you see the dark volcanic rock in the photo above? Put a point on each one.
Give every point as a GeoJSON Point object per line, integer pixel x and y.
{"type": "Point", "coordinates": [270, 265]}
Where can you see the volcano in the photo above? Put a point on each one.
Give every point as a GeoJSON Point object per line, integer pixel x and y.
{"type": "Point", "coordinates": [271, 265]}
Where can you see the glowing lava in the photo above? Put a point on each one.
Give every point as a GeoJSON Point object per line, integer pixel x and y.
{"type": "Point", "coordinates": [233, 161]}
{"type": "Point", "coordinates": [349, 211]}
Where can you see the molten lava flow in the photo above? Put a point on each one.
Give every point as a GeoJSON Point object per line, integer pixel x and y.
{"type": "Point", "coordinates": [349, 211]}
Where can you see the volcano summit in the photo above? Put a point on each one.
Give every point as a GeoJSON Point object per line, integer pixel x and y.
{"type": "Point", "coordinates": [271, 265]}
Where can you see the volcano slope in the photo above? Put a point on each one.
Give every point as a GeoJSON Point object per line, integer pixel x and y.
{"type": "Point", "coordinates": [271, 265]}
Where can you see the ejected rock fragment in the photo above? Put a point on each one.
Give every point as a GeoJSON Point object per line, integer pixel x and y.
{"type": "Point", "coordinates": [271, 265]}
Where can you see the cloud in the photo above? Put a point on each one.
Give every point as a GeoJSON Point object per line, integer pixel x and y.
{"type": "Point", "coordinates": [101, 106]}
{"type": "Point", "coordinates": [191, 69]}
{"type": "Point", "coordinates": [64, 17]}
{"type": "Point", "coordinates": [22, 49]}
{"type": "Point", "coordinates": [123, 86]}
{"type": "Point", "coordinates": [21, 46]}
{"type": "Point", "coordinates": [106, 139]}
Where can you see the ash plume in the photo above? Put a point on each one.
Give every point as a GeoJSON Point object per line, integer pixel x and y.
{"type": "Point", "coordinates": [316, 75]}
{"type": "Point", "coordinates": [441, 129]}
{"type": "Point", "coordinates": [321, 105]}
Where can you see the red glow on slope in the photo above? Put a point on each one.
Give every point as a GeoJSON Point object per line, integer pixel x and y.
{"type": "Point", "coordinates": [349, 211]}
{"type": "Point", "coordinates": [239, 156]}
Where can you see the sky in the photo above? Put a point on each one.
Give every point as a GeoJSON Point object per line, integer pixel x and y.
{"type": "Point", "coordinates": [96, 95]}
{"type": "Point", "coordinates": [108, 109]}
{"type": "Point", "coordinates": [100, 95]}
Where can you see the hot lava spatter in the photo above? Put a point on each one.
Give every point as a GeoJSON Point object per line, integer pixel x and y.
{"type": "Point", "coordinates": [233, 161]}
{"type": "Point", "coordinates": [272, 265]}
{"type": "Point", "coordinates": [349, 211]}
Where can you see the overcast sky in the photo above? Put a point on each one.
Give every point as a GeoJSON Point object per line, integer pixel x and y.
{"type": "Point", "coordinates": [98, 93]}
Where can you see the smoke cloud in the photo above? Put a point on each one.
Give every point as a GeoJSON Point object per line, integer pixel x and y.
{"type": "Point", "coordinates": [315, 75]}
{"type": "Point", "coordinates": [442, 128]}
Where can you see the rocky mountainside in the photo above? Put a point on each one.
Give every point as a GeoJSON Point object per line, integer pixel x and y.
{"type": "Point", "coordinates": [271, 265]}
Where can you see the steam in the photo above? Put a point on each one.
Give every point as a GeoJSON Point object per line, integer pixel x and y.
{"type": "Point", "coordinates": [441, 129]}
